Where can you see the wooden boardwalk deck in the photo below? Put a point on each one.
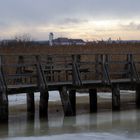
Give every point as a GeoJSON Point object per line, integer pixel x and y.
{"type": "Point", "coordinates": [14, 89]}
{"type": "Point", "coordinates": [67, 73]}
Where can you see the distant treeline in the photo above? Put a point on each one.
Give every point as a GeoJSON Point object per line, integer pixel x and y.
{"type": "Point", "coordinates": [29, 43]}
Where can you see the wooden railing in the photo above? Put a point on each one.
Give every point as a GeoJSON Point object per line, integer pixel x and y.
{"type": "Point", "coordinates": [67, 73]}
{"type": "Point", "coordinates": [77, 69]}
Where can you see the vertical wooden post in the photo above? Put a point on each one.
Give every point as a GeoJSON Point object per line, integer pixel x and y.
{"type": "Point", "coordinates": [20, 70]}
{"type": "Point", "coordinates": [43, 106]}
{"type": "Point", "coordinates": [3, 107]}
{"type": "Point", "coordinates": [42, 84]}
{"type": "Point", "coordinates": [66, 102]}
{"type": "Point", "coordinates": [75, 72]}
{"type": "Point", "coordinates": [115, 97]}
{"type": "Point", "coordinates": [30, 103]}
{"type": "Point", "coordinates": [138, 96]}
{"type": "Point", "coordinates": [93, 100]}
{"type": "Point", "coordinates": [97, 65]}
{"type": "Point", "coordinates": [3, 95]}
{"type": "Point", "coordinates": [128, 67]}
{"type": "Point", "coordinates": [72, 97]}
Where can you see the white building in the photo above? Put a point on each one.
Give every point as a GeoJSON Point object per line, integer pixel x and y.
{"type": "Point", "coordinates": [66, 41]}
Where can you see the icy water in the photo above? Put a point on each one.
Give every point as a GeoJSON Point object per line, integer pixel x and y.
{"type": "Point", "coordinates": [103, 125]}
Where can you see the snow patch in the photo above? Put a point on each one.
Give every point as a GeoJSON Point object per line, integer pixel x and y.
{"type": "Point", "coordinates": [54, 96]}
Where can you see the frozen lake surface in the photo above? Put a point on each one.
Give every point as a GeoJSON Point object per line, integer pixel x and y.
{"type": "Point", "coordinates": [104, 125]}
{"type": "Point", "coordinates": [82, 136]}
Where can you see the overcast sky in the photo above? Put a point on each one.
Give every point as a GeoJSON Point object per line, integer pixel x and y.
{"type": "Point", "coordinates": [87, 19]}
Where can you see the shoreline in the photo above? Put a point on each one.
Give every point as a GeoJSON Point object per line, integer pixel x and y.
{"type": "Point", "coordinates": [18, 104]}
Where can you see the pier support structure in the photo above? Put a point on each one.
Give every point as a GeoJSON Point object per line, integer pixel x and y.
{"type": "Point", "coordinates": [66, 103]}
{"type": "Point", "coordinates": [3, 107]}
{"type": "Point", "coordinates": [72, 97]}
{"type": "Point", "coordinates": [115, 97]}
{"type": "Point", "coordinates": [93, 100]}
{"type": "Point", "coordinates": [138, 96]}
{"type": "Point", "coordinates": [30, 103]}
{"type": "Point", "coordinates": [43, 106]}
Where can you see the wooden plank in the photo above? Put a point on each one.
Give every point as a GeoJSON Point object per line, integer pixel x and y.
{"type": "Point", "coordinates": [75, 72]}
{"type": "Point", "coordinates": [85, 82]}
{"type": "Point", "coordinates": [105, 69]}
{"type": "Point", "coordinates": [21, 75]}
{"type": "Point", "coordinates": [42, 83]}
{"type": "Point", "coordinates": [22, 86]}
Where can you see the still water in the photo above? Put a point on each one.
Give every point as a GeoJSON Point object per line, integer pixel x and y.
{"type": "Point", "coordinates": [119, 125]}
{"type": "Point", "coordinates": [102, 125]}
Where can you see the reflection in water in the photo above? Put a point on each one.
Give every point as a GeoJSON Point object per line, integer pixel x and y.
{"type": "Point", "coordinates": [125, 122]}
{"type": "Point", "coordinates": [3, 130]}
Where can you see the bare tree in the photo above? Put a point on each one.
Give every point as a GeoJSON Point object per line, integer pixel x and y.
{"type": "Point", "coordinates": [23, 40]}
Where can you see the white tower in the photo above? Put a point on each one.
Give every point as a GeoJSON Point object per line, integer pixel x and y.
{"type": "Point", "coordinates": [51, 39]}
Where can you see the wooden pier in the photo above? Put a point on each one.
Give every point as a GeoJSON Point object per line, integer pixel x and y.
{"type": "Point", "coordinates": [67, 73]}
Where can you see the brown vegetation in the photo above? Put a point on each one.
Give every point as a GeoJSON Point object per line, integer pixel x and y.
{"type": "Point", "coordinates": [95, 48]}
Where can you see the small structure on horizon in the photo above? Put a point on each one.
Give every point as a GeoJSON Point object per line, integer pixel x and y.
{"type": "Point", "coordinates": [67, 41]}
{"type": "Point", "coordinates": [64, 41]}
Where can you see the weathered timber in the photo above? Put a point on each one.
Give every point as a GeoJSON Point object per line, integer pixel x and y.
{"type": "Point", "coordinates": [20, 70]}
{"type": "Point", "coordinates": [115, 97]}
{"type": "Point", "coordinates": [72, 97]}
{"type": "Point", "coordinates": [93, 100]}
{"type": "Point", "coordinates": [131, 69]}
{"type": "Point", "coordinates": [127, 67]}
{"type": "Point", "coordinates": [42, 85]}
{"type": "Point", "coordinates": [30, 103]}
{"type": "Point", "coordinates": [42, 82]}
{"type": "Point", "coordinates": [97, 62]}
{"type": "Point", "coordinates": [3, 107]}
{"type": "Point", "coordinates": [67, 107]}
{"type": "Point", "coordinates": [105, 69]}
{"type": "Point", "coordinates": [138, 96]}
{"type": "Point", "coordinates": [43, 105]}
{"type": "Point", "coordinates": [67, 73]}
{"type": "Point", "coordinates": [3, 96]}
{"type": "Point", "coordinates": [75, 72]}
{"type": "Point", "coordinates": [134, 72]}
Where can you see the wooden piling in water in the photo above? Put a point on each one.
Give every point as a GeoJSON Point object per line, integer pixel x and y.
{"type": "Point", "coordinates": [115, 97]}
{"type": "Point", "coordinates": [72, 97]}
{"type": "Point", "coordinates": [30, 103]}
{"type": "Point", "coordinates": [43, 105]}
{"type": "Point", "coordinates": [3, 107]}
{"type": "Point", "coordinates": [93, 100]}
{"type": "Point", "coordinates": [66, 103]}
{"type": "Point", "coordinates": [138, 96]}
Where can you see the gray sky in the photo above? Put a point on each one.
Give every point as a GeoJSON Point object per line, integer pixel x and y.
{"type": "Point", "coordinates": [87, 19]}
